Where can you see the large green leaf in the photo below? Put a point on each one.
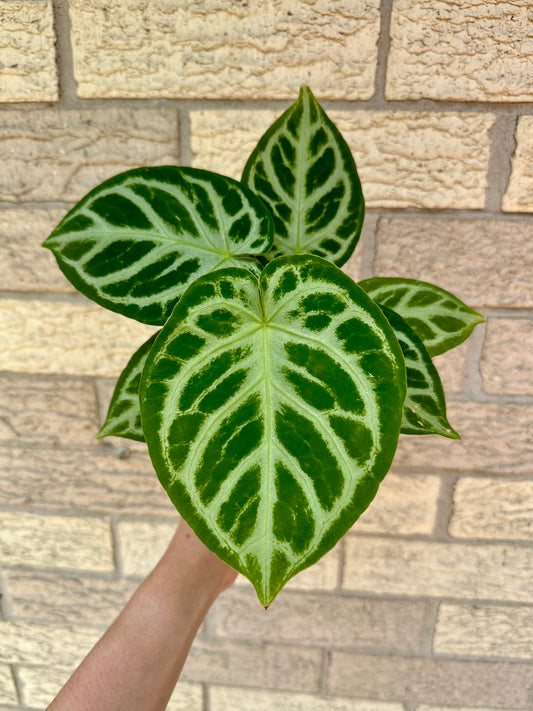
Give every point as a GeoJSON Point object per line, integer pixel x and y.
{"type": "Point", "coordinates": [124, 412]}
{"type": "Point", "coordinates": [136, 242]}
{"type": "Point", "coordinates": [424, 411]}
{"type": "Point", "coordinates": [437, 317]}
{"type": "Point", "coordinates": [303, 169]}
{"type": "Point", "coordinates": [272, 411]}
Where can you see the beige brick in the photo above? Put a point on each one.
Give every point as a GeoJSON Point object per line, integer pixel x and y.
{"type": "Point", "coordinates": [507, 361]}
{"type": "Point", "coordinates": [425, 707]}
{"type": "Point", "coordinates": [232, 699]}
{"type": "Point", "coordinates": [324, 620]}
{"type": "Point", "coordinates": [255, 50]}
{"type": "Point", "coordinates": [216, 134]}
{"type": "Point", "coordinates": [142, 543]}
{"type": "Point", "coordinates": [55, 542]}
{"type": "Point", "coordinates": [69, 338]}
{"type": "Point", "coordinates": [404, 505]}
{"type": "Point", "coordinates": [404, 159]}
{"type": "Point", "coordinates": [86, 480]}
{"type": "Point", "coordinates": [25, 265]}
{"type": "Point", "coordinates": [468, 51]}
{"type": "Point", "coordinates": [266, 666]}
{"type": "Point", "coordinates": [356, 266]}
{"type": "Point", "coordinates": [494, 436]}
{"type": "Point", "coordinates": [70, 152]}
{"type": "Point", "coordinates": [25, 643]}
{"type": "Point", "coordinates": [187, 697]}
{"type": "Point", "coordinates": [66, 599]}
{"type": "Point", "coordinates": [8, 692]}
{"type": "Point", "coordinates": [27, 52]}
{"type": "Point", "coordinates": [443, 252]}
{"type": "Point", "coordinates": [517, 197]}
{"type": "Point", "coordinates": [39, 410]}
{"type": "Point", "coordinates": [451, 369]}
{"type": "Point", "coordinates": [428, 568]}
{"type": "Point", "coordinates": [484, 631]}
{"type": "Point", "coordinates": [40, 684]}
{"type": "Point", "coordinates": [488, 508]}
{"type": "Point", "coordinates": [431, 681]}
{"type": "Point", "coordinates": [322, 575]}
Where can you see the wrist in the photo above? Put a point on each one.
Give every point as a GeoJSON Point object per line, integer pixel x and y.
{"type": "Point", "coordinates": [188, 562]}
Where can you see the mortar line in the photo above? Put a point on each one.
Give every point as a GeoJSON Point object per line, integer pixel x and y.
{"type": "Point", "coordinates": [324, 671]}
{"type": "Point", "coordinates": [117, 553]}
{"type": "Point", "coordinates": [472, 214]}
{"type": "Point", "coordinates": [5, 605]}
{"type": "Point", "coordinates": [499, 398]}
{"type": "Point", "coordinates": [444, 510]}
{"type": "Point", "coordinates": [502, 141]}
{"type": "Point", "coordinates": [18, 685]}
{"type": "Point", "coordinates": [472, 378]}
{"type": "Point", "coordinates": [340, 568]}
{"type": "Point", "coordinates": [429, 626]}
{"type": "Point", "coordinates": [68, 97]}
{"type": "Point", "coordinates": [383, 47]}
{"type": "Point", "coordinates": [369, 246]}
{"type": "Point", "coordinates": [206, 699]}
{"type": "Point", "coordinates": [186, 153]}
{"type": "Point", "coordinates": [422, 105]}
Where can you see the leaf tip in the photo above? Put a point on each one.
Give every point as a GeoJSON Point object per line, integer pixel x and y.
{"type": "Point", "coordinates": [451, 433]}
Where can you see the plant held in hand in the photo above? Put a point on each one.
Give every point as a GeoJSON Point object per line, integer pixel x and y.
{"type": "Point", "coordinates": [272, 398]}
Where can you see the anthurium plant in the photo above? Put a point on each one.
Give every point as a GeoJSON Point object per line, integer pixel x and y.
{"type": "Point", "coordinates": [272, 398]}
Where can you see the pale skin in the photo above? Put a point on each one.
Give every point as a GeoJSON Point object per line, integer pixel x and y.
{"type": "Point", "coordinates": [136, 664]}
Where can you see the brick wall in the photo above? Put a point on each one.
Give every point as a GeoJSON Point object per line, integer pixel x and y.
{"type": "Point", "coordinates": [428, 603]}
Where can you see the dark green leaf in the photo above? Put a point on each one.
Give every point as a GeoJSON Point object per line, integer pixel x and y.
{"type": "Point", "coordinates": [136, 242]}
{"type": "Point", "coordinates": [304, 171]}
{"type": "Point", "coordinates": [124, 413]}
{"type": "Point", "coordinates": [424, 410]}
{"type": "Point", "coordinates": [437, 317]}
{"type": "Point", "coordinates": [272, 411]}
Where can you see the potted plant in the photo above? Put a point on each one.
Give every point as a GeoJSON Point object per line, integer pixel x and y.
{"type": "Point", "coordinates": [273, 396]}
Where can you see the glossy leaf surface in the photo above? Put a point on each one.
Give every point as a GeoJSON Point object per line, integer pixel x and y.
{"type": "Point", "coordinates": [437, 317]}
{"type": "Point", "coordinates": [272, 411]}
{"type": "Point", "coordinates": [136, 242]}
{"type": "Point", "coordinates": [303, 169]}
{"type": "Point", "coordinates": [124, 412]}
{"type": "Point", "coordinates": [424, 410]}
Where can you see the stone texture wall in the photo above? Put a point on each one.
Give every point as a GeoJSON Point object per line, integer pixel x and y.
{"type": "Point", "coordinates": [428, 603]}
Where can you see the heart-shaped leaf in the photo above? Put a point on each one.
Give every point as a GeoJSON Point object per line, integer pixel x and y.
{"type": "Point", "coordinates": [272, 411]}
{"type": "Point", "coordinates": [136, 242]}
{"type": "Point", "coordinates": [124, 412]}
{"type": "Point", "coordinates": [424, 411]}
{"type": "Point", "coordinates": [303, 169]}
{"type": "Point", "coordinates": [438, 318]}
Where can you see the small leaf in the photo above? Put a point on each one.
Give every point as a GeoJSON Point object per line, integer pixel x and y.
{"type": "Point", "coordinates": [124, 413]}
{"type": "Point", "coordinates": [136, 242]}
{"type": "Point", "coordinates": [424, 410]}
{"type": "Point", "coordinates": [437, 317]}
{"type": "Point", "coordinates": [304, 171]}
{"type": "Point", "coordinates": [272, 410]}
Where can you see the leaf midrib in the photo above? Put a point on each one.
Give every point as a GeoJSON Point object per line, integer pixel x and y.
{"type": "Point", "coordinates": [136, 234]}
